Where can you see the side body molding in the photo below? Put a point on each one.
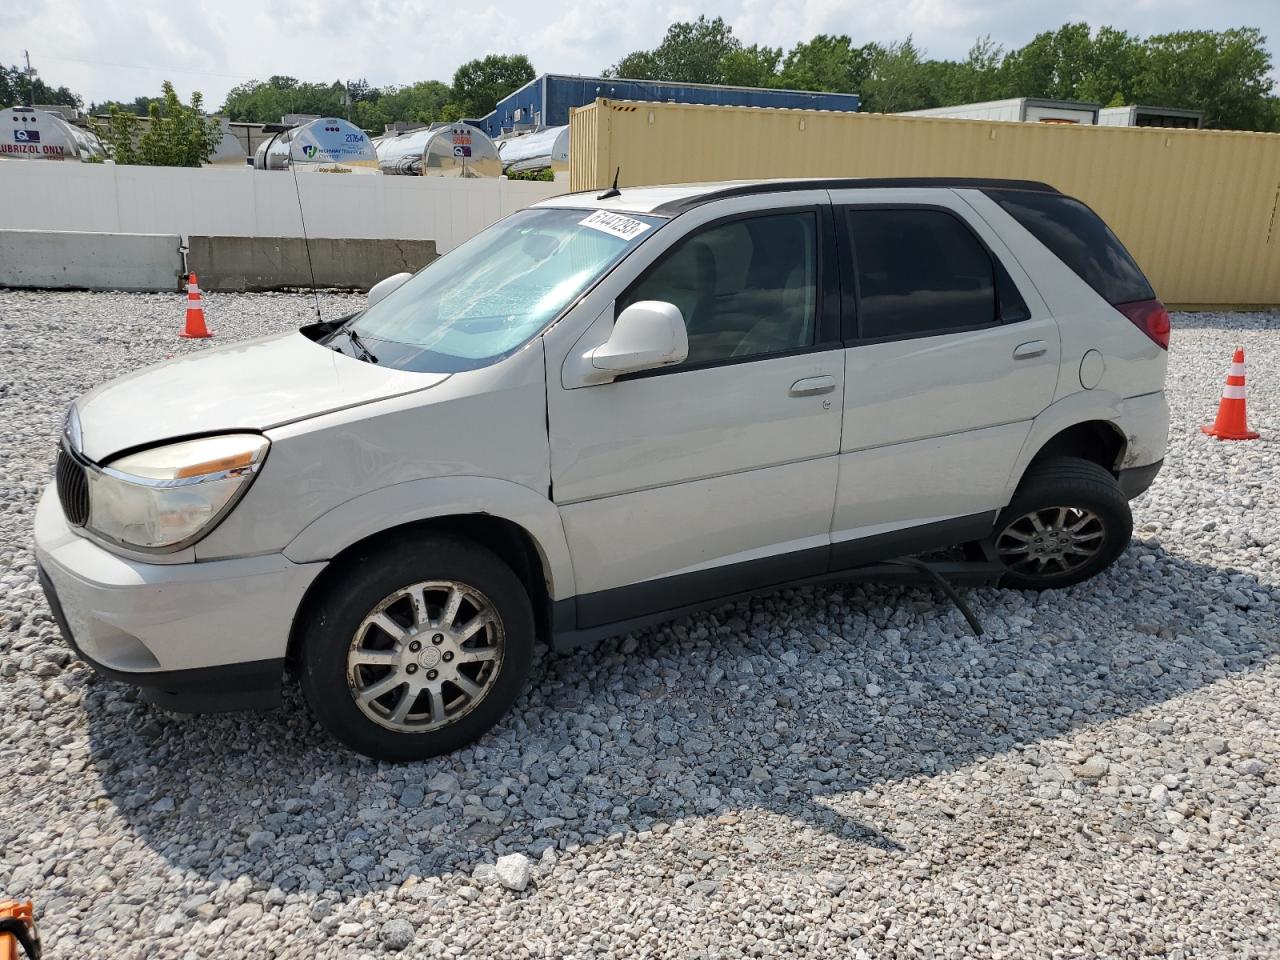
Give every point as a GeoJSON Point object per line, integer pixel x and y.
{"type": "Point", "coordinates": [415, 500]}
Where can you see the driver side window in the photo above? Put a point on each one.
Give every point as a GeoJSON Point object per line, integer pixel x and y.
{"type": "Point", "coordinates": [746, 288]}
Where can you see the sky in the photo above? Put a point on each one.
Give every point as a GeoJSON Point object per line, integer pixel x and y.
{"type": "Point", "coordinates": [121, 49]}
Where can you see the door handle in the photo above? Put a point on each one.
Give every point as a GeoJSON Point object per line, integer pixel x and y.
{"type": "Point", "coordinates": [812, 386]}
{"type": "Point", "coordinates": [1033, 348]}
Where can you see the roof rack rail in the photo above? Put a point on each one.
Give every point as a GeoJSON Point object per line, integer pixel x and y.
{"type": "Point", "coordinates": [683, 204]}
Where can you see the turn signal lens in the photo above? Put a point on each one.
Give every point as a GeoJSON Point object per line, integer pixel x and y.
{"type": "Point", "coordinates": [221, 465]}
{"type": "Point", "coordinates": [194, 458]}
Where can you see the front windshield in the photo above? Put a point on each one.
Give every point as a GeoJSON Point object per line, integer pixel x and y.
{"type": "Point", "coordinates": [488, 297]}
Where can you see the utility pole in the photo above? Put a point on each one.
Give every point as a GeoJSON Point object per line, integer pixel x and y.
{"type": "Point", "coordinates": [31, 82]}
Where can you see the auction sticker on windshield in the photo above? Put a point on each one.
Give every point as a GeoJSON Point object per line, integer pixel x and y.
{"type": "Point", "coordinates": [615, 224]}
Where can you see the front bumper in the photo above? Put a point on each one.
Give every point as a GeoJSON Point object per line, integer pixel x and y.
{"type": "Point", "coordinates": [198, 637]}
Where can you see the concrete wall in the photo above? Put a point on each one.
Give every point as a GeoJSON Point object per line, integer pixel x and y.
{"type": "Point", "coordinates": [97, 261]}
{"type": "Point", "coordinates": [153, 262]}
{"type": "Point", "coordinates": [240, 202]}
{"type": "Point", "coordinates": [269, 263]}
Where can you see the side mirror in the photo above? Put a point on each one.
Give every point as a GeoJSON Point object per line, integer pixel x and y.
{"type": "Point", "coordinates": [647, 334]}
{"type": "Point", "coordinates": [383, 287]}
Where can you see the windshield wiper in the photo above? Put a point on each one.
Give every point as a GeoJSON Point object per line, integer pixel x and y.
{"type": "Point", "coordinates": [365, 353]}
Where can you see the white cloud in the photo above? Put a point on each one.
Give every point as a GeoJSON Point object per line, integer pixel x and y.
{"type": "Point", "coordinates": [120, 49]}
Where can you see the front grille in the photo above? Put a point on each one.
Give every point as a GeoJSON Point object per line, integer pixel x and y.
{"type": "Point", "coordinates": [73, 489]}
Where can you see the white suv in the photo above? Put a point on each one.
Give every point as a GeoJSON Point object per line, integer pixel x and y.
{"type": "Point", "coordinates": [601, 412]}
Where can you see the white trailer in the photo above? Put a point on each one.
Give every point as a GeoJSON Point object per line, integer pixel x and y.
{"type": "Point", "coordinates": [1018, 110]}
{"type": "Point", "coordinates": [1140, 116]}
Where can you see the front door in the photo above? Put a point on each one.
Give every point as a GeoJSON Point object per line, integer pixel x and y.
{"type": "Point", "coordinates": [718, 475]}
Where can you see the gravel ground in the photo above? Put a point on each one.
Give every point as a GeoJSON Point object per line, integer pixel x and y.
{"type": "Point", "coordinates": [835, 771]}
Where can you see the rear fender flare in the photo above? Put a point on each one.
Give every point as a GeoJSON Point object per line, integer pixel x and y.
{"type": "Point", "coordinates": [1077, 408]}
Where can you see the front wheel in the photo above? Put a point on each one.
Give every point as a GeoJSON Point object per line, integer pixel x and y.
{"type": "Point", "coordinates": [1068, 521]}
{"type": "Point", "coordinates": [418, 648]}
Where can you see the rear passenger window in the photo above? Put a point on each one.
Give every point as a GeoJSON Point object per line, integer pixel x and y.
{"type": "Point", "coordinates": [1081, 240]}
{"type": "Point", "coordinates": [920, 272]}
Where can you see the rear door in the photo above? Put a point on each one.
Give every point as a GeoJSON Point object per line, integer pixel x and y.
{"type": "Point", "coordinates": [950, 353]}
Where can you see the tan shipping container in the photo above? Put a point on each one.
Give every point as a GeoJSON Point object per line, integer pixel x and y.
{"type": "Point", "coordinates": [1197, 208]}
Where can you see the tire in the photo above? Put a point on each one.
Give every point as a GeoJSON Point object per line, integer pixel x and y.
{"type": "Point", "coordinates": [1086, 520]}
{"type": "Point", "coordinates": [368, 632]}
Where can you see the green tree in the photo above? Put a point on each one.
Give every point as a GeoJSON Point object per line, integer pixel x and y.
{"type": "Point", "coordinates": [972, 80]}
{"type": "Point", "coordinates": [139, 106]}
{"type": "Point", "coordinates": [898, 79]}
{"type": "Point", "coordinates": [640, 65]}
{"type": "Point", "coordinates": [752, 66]}
{"type": "Point", "coordinates": [1072, 63]}
{"type": "Point", "coordinates": [827, 63]}
{"type": "Point", "coordinates": [1051, 65]}
{"type": "Point", "coordinates": [176, 135]}
{"type": "Point", "coordinates": [421, 102]}
{"type": "Point", "coordinates": [695, 51]}
{"type": "Point", "coordinates": [16, 89]}
{"type": "Point", "coordinates": [542, 176]}
{"type": "Point", "coordinates": [266, 102]}
{"type": "Point", "coordinates": [1116, 60]}
{"type": "Point", "coordinates": [479, 84]}
{"type": "Point", "coordinates": [1225, 74]}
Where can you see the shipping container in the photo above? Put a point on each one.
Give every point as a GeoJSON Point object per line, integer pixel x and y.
{"type": "Point", "coordinates": [1197, 208]}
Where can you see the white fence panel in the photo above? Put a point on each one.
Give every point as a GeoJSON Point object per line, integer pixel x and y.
{"type": "Point", "coordinates": [106, 198]}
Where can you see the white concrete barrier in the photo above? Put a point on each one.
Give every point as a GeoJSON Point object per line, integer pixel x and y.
{"type": "Point", "coordinates": [96, 261]}
{"type": "Point", "coordinates": [234, 202]}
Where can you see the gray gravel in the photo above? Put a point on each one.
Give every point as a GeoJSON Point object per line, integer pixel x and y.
{"type": "Point", "coordinates": [835, 771]}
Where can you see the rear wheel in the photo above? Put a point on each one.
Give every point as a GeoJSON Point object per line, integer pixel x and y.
{"type": "Point", "coordinates": [1068, 521]}
{"type": "Point", "coordinates": [417, 648]}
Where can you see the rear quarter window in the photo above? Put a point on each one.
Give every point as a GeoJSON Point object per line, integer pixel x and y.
{"type": "Point", "coordinates": [1079, 238]}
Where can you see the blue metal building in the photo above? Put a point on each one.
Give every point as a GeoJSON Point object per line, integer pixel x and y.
{"type": "Point", "coordinates": [546, 101]}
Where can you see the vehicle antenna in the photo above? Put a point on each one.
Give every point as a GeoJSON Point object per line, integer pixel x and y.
{"type": "Point", "coordinates": [612, 191]}
{"type": "Point", "coordinates": [306, 243]}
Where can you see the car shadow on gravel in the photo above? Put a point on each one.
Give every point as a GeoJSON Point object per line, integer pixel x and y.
{"type": "Point", "coordinates": [786, 703]}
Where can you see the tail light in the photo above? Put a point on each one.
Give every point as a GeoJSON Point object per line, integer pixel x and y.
{"type": "Point", "coordinates": [1150, 317]}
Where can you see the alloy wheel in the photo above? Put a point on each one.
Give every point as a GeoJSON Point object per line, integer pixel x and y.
{"type": "Point", "coordinates": [1051, 541]}
{"type": "Point", "coordinates": [425, 656]}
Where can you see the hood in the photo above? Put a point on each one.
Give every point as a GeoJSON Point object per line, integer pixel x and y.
{"type": "Point", "coordinates": [249, 385]}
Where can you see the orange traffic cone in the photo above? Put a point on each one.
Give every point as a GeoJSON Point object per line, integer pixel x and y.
{"type": "Point", "coordinates": [18, 929]}
{"type": "Point", "coordinates": [1231, 423]}
{"type": "Point", "coordinates": [195, 311]}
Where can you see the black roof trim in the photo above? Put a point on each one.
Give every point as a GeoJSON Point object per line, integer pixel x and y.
{"type": "Point", "coordinates": [674, 208]}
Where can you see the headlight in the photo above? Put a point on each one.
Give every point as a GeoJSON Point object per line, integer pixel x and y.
{"type": "Point", "coordinates": [165, 497]}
